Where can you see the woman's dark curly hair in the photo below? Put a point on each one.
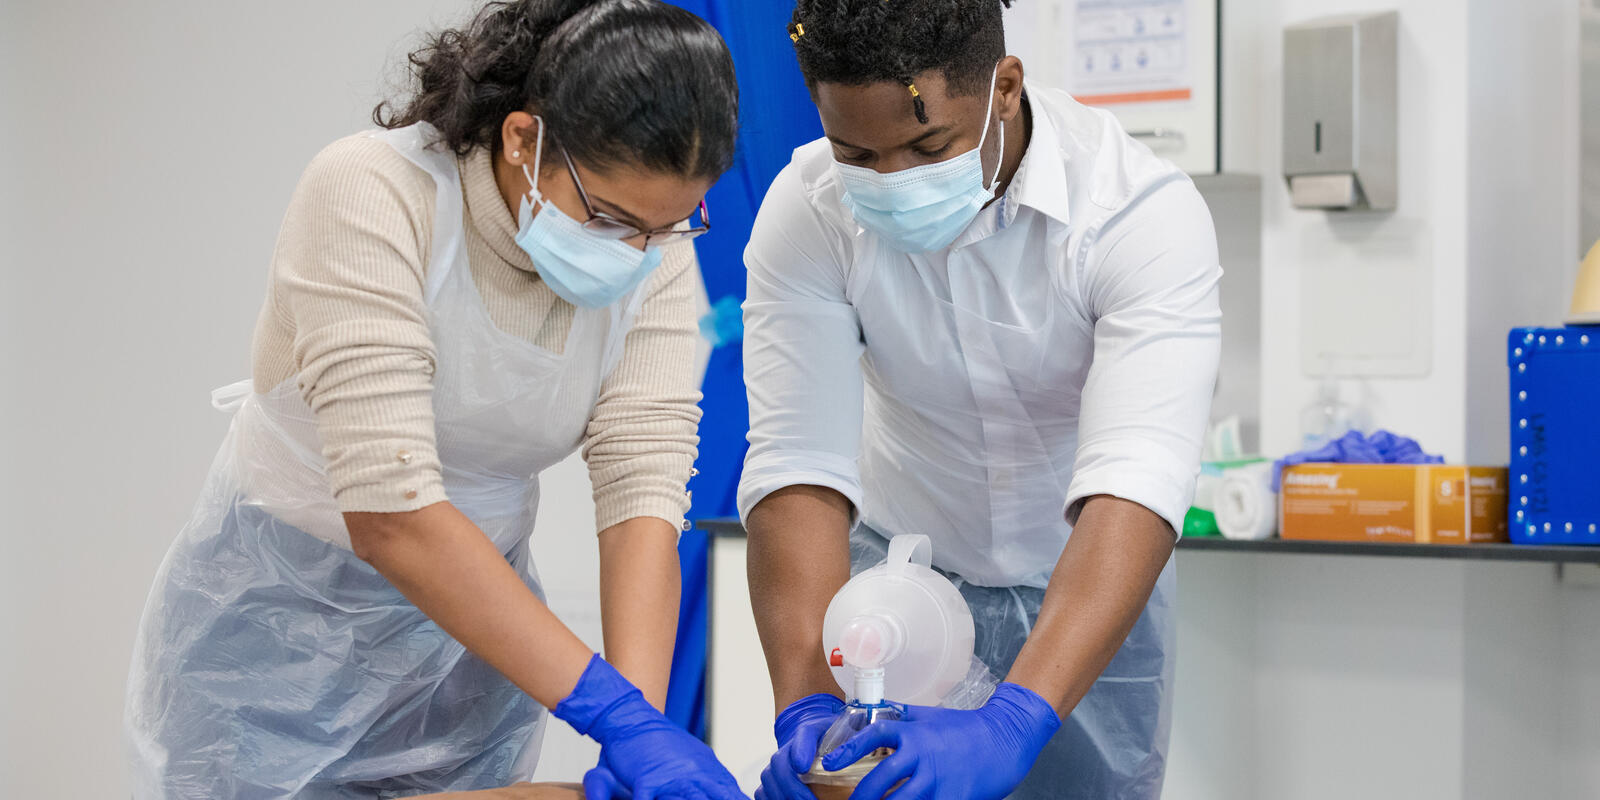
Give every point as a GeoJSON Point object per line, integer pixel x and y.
{"type": "Point", "coordinates": [618, 82]}
{"type": "Point", "coordinates": [855, 42]}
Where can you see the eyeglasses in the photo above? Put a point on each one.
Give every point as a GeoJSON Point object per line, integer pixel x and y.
{"type": "Point", "coordinates": [609, 227]}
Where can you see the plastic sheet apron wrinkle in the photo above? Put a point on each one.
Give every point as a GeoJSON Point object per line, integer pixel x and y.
{"type": "Point", "coordinates": [969, 409]}
{"type": "Point", "coordinates": [987, 475]}
{"type": "Point", "coordinates": [1113, 746]}
{"type": "Point", "coordinates": [271, 662]}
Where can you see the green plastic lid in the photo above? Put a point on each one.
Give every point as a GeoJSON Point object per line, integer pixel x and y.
{"type": "Point", "coordinates": [1200, 522]}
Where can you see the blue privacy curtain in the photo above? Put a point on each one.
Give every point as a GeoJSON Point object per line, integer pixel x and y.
{"type": "Point", "coordinates": [777, 116]}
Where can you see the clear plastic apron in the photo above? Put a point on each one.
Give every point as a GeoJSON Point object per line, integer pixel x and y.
{"type": "Point", "coordinates": [971, 462]}
{"type": "Point", "coordinates": [271, 662]}
{"type": "Point", "coordinates": [986, 474]}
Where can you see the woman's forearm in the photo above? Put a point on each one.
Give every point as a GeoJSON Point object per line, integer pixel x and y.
{"type": "Point", "coordinates": [639, 589]}
{"type": "Point", "coordinates": [444, 564]}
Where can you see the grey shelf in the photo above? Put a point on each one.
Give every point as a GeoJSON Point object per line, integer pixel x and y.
{"type": "Point", "coordinates": [1548, 554]}
{"type": "Point", "coordinates": [722, 527]}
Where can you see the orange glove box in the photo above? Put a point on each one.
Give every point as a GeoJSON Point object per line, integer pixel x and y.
{"type": "Point", "coordinates": [1415, 503]}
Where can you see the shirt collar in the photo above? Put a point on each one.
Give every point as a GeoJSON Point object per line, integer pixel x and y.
{"type": "Point", "coordinates": [1041, 179]}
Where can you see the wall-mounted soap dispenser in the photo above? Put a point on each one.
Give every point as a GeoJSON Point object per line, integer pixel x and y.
{"type": "Point", "coordinates": [1340, 112]}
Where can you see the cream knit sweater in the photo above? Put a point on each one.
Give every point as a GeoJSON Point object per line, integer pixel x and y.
{"type": "Point", "coordinates": [344, 316]}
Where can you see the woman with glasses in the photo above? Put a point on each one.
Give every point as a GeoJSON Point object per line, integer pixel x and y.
{"type": "Point", "coordinates": [497, 277]}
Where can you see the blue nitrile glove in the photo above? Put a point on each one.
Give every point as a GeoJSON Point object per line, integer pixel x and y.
{"type": "Point", "coordinates": [944, 753]}
{"type": "Point", "coordinates": [600, 784]}
{"type": "Point", "coordinates": [1356, 447]}
{"type": "Point", "coordinates": [641, 751]}
{"type": "Point", "coordinates": [799, 728]}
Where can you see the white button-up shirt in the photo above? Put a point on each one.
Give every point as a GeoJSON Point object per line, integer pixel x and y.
{"type": "Point", "coordinates": [1064, 346]}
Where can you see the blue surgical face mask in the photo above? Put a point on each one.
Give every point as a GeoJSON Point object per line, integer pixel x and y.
{"type": "Point", "coordinates": [586, 270]}
{"type": "Point", "coordinates": [924, 208]}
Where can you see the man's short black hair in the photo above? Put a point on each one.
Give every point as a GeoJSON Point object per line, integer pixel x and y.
{"type": "Point", "coordinates": [856, 42]}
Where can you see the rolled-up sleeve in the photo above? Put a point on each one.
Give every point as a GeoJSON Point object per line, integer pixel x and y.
{"type": "Point", "coordinates": [643, 433]}
{"type": "Point", "coordinates": [347, 279]}
{"type": "Point", "coordinates": [1150, 281]}
{"type": "Point", "coordinates": [802, 353]}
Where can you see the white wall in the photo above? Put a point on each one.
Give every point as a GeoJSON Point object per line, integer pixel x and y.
{"type": "Point", "coordinates": [1488, 200]}
{"type": "Point", "coordinates": [739, 693]}
{"type": "Point", "coordinates": [10, 474]}
{"type": "Point", "coordinates": [1523, 123]}
{"type": "Point", "coordinates": [1418, 251]}
{"type": "Point", "coordinates": [147, 151]}
{"type": "Point", "coordinates": [1312, 677]}
{"type": "Point", "coordinates": [1335, 677]}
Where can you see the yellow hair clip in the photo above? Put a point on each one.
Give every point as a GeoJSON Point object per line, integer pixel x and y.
{"type": "Point", "coordinates": [799, 31]}
{"type": "Point", "coordinates": [916, 100]}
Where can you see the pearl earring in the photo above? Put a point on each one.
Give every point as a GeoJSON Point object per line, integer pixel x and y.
{"type": "Point", "coordinates": [516, 153]}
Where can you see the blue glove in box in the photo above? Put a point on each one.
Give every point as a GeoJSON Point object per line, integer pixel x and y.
{"type": "Point", "coordinates": [1555, 435]}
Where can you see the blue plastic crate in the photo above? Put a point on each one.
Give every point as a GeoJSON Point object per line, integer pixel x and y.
{"type": "Point", "coordinates": [1555, 435]}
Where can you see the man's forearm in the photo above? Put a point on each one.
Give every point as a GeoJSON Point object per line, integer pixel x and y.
{"type": "Point", "coordinates": [799, 556]}
{"type": "Point", "coordinates": [1096, 594]}
{"type": "Point", "coordinates": [640, 589]}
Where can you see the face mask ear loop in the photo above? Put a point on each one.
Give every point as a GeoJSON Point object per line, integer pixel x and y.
{"type": "Point", "coordinates": [534, 197]}
{"type": "Point", "coordinates": [989, 187]}
{"type": "Point", "coordinates": [994, 182]}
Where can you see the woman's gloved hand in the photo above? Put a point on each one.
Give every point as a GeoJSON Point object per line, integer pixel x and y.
{"type": "Point", "coordinates": [641, 751]}
{"type": "Point", "coordinates": [799, 728]}
{"type": "Point", "coordinates": [943, 753]}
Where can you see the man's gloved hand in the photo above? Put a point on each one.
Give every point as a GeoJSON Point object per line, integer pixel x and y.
{"type": "Point", "coordinates": [600, 784]}
{"type": "Point", "coordinates": [799, 728]}
{"type": "Point", "coordinates": [641, 751]}
{"type": "Point", "coordinates": [943, 753]}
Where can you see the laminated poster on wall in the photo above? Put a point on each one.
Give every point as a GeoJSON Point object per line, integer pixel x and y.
{"type": "Point", "coordinates": [1130, 51]}
{"type": "Point", "coordinates": [1152, 63]}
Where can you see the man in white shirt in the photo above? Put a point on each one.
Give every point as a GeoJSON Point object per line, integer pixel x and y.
{"type": "Point", "coordinates": [978, 311]}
